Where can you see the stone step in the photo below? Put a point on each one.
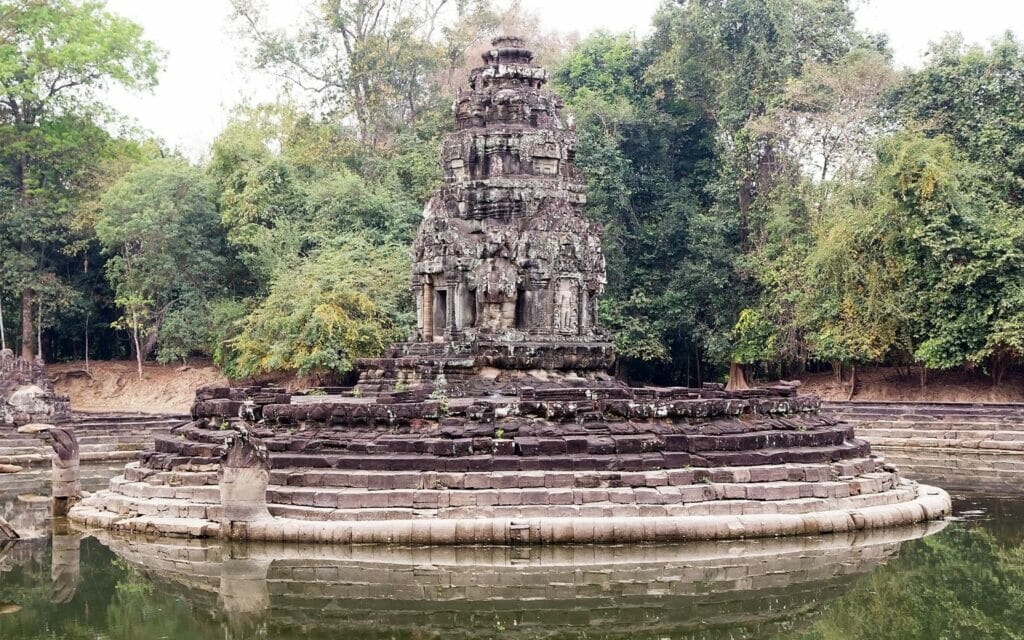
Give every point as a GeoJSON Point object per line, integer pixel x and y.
{"type": "Point", "coordinates": [529, 479]}
{"type": "Point", "coordinates": [205, 443]}
{"type": "Point", "coordinates": [945, 443]}
{"type": "Point", "coordinates": [349, 498]}
{"type": "Point", "coordinates": [122, 506]}
{"type": "Point", "coordinates": [83, 446]}
{"type": "Point", "coordinates": [27, 459]}
{"type": "Point", "coordinates": [937, 425]}
{"type": "Point", "coordinates": [624, 462]}
{"type": "Point", "coordinates": [581, 479]}
{"type": "Point", "coordinates": [948, 432]}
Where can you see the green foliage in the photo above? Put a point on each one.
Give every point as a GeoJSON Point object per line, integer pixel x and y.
{"type": "Point", "coordinates": [168, 257]}
{"type": "Point", "coordinates": [290, 185]}
{"type": "Point", "coordinates": [754, 337]}
{"type": "Point", "coordinates": [962, 583]}
{"type": "Point", "coordinates": [349, 301]}
{"type": "Point", "coordinates": [56, 57]}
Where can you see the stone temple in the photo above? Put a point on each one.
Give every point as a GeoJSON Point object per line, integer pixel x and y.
{"type": "Point", "coordinates": [507, 267]}
{"type": "Point", "coordinates": [498, 421]}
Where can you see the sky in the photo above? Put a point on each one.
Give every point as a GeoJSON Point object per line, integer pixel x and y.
{"type": "Point", "coordinates": [204, 73]}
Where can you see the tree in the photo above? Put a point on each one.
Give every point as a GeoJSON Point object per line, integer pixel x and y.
{"type": "Point", "coordinates": [168, 257]}
{"type": "Point", "coordinates": [644, 157]}
{"type": "Point", "coordinates": [349, 301]}
{"type": "Point", "coordinates": [376, 60]}
{"type": "Point", "coordinates": [56, 56]}
{"type": "Point", "coordinates": [290, 184]}
{"type": "Point", "coordinates": [974, 95]}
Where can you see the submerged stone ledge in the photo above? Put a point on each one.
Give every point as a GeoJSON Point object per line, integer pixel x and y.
{"type": "Point", "coordinates": [919, 503]}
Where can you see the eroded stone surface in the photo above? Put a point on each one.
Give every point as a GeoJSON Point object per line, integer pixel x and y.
{"type": "Point", "coordinates": [26, 393]}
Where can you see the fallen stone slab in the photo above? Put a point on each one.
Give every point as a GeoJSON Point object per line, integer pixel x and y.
{"type": "Point", "coordinates": [34, 428]}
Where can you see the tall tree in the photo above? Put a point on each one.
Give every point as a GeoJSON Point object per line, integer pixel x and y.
{"type": "Point", "coordinates": [168, 255]}
{"type": "Point", "coordinates": [56, 57]}
{"type": "Point", "coordinates": [379, 61]}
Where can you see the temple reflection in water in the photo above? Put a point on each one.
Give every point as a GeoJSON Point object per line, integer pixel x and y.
{"type": "Point", "coordinates": [744, 589]}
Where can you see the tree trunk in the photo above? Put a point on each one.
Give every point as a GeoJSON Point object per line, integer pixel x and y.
{"type": "Point", "coordinates": [27, 330]}
{"type": "Point", "coordinates": [853, 382]}
{"type": "Point", "coordinates": [700, 374]}
{"type": "Point", "coordinates": [138, 347]}
{"type": "Point", "coordinates": [745, 198]}
{"type": "Point", "coordinates": [837, 371]}
{"type": "Point", "coordinates": [39, 332]}
{"type": "Point", "coordinates": [924, 376]}
{"type": "Point", "coordinates": [3, 333]}
{"type": "Point", "coordinates": [737, 378]}
{"type": "Point", "coordinates": [999, 366]}
{"type": "Point", "coordinates": [87, 342]}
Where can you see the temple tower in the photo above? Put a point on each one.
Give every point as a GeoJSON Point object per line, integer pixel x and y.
{"type": "Point", "coordinates": [505, 253]}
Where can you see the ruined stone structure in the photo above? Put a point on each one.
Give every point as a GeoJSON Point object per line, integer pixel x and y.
{"type": "Point", "coordinates": [498, 421]}
{"type": "Point", "coordinates": [26, 394]}
{"type": "Point", "coordinates": [507, 267]}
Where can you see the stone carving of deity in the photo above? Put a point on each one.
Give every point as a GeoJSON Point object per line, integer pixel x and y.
{"type": "Point", "coordinates": [496, 293]}
{"type": "Point", "coordinates": [567, 307]}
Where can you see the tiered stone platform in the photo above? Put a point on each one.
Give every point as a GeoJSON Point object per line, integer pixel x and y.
{"type": "Point", "coordinates": [951, 426]}
{"type": "Point", "coordinates": [742, 589]}
{"type": "Point", "coordinates": [598, 462]}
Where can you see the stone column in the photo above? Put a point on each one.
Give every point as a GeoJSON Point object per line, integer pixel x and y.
{"type": "Point", "coordinates": [243, 478]}
{"type": "Point", "coordinates": [452, 299]}
{"type": "Point", "coordinates": [428, 312]}
{"type": "Point", "coordinates": [66, 486]}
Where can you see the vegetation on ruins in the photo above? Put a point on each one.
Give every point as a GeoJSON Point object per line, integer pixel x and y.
{"type": "Point", "coordinates": [774, 193]}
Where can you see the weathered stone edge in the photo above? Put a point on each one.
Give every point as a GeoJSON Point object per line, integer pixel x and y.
{"type": "Point", "coordinates": [931, 503]}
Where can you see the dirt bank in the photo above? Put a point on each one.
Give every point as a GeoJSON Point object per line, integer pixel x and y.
{"type": "Point", "coordinates": [115, 385]}
{"type": "Point", "coordinates": [943, 386]}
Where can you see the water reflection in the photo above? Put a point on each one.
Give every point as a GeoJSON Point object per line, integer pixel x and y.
{"type": "Point", "coordinates": [747, 589]}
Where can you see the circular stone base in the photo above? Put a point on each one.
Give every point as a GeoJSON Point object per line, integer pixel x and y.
{"type": "Point", "coordinates": [907, 503]}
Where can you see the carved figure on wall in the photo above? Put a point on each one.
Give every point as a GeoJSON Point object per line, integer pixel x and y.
{"type": "Point", "coordinates": [567, 307]}
{"type": "Point", "coordinates": [497, 293]}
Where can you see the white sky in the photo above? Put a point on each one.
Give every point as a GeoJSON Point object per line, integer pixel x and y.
{"type": "Point", "coordinates": [204, 74]}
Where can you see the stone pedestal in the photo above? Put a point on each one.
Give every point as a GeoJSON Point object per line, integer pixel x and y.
{"type": "Point", "coordinates": [66, 486]}
{"type": "Point", "coordinates": [243, 478]}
